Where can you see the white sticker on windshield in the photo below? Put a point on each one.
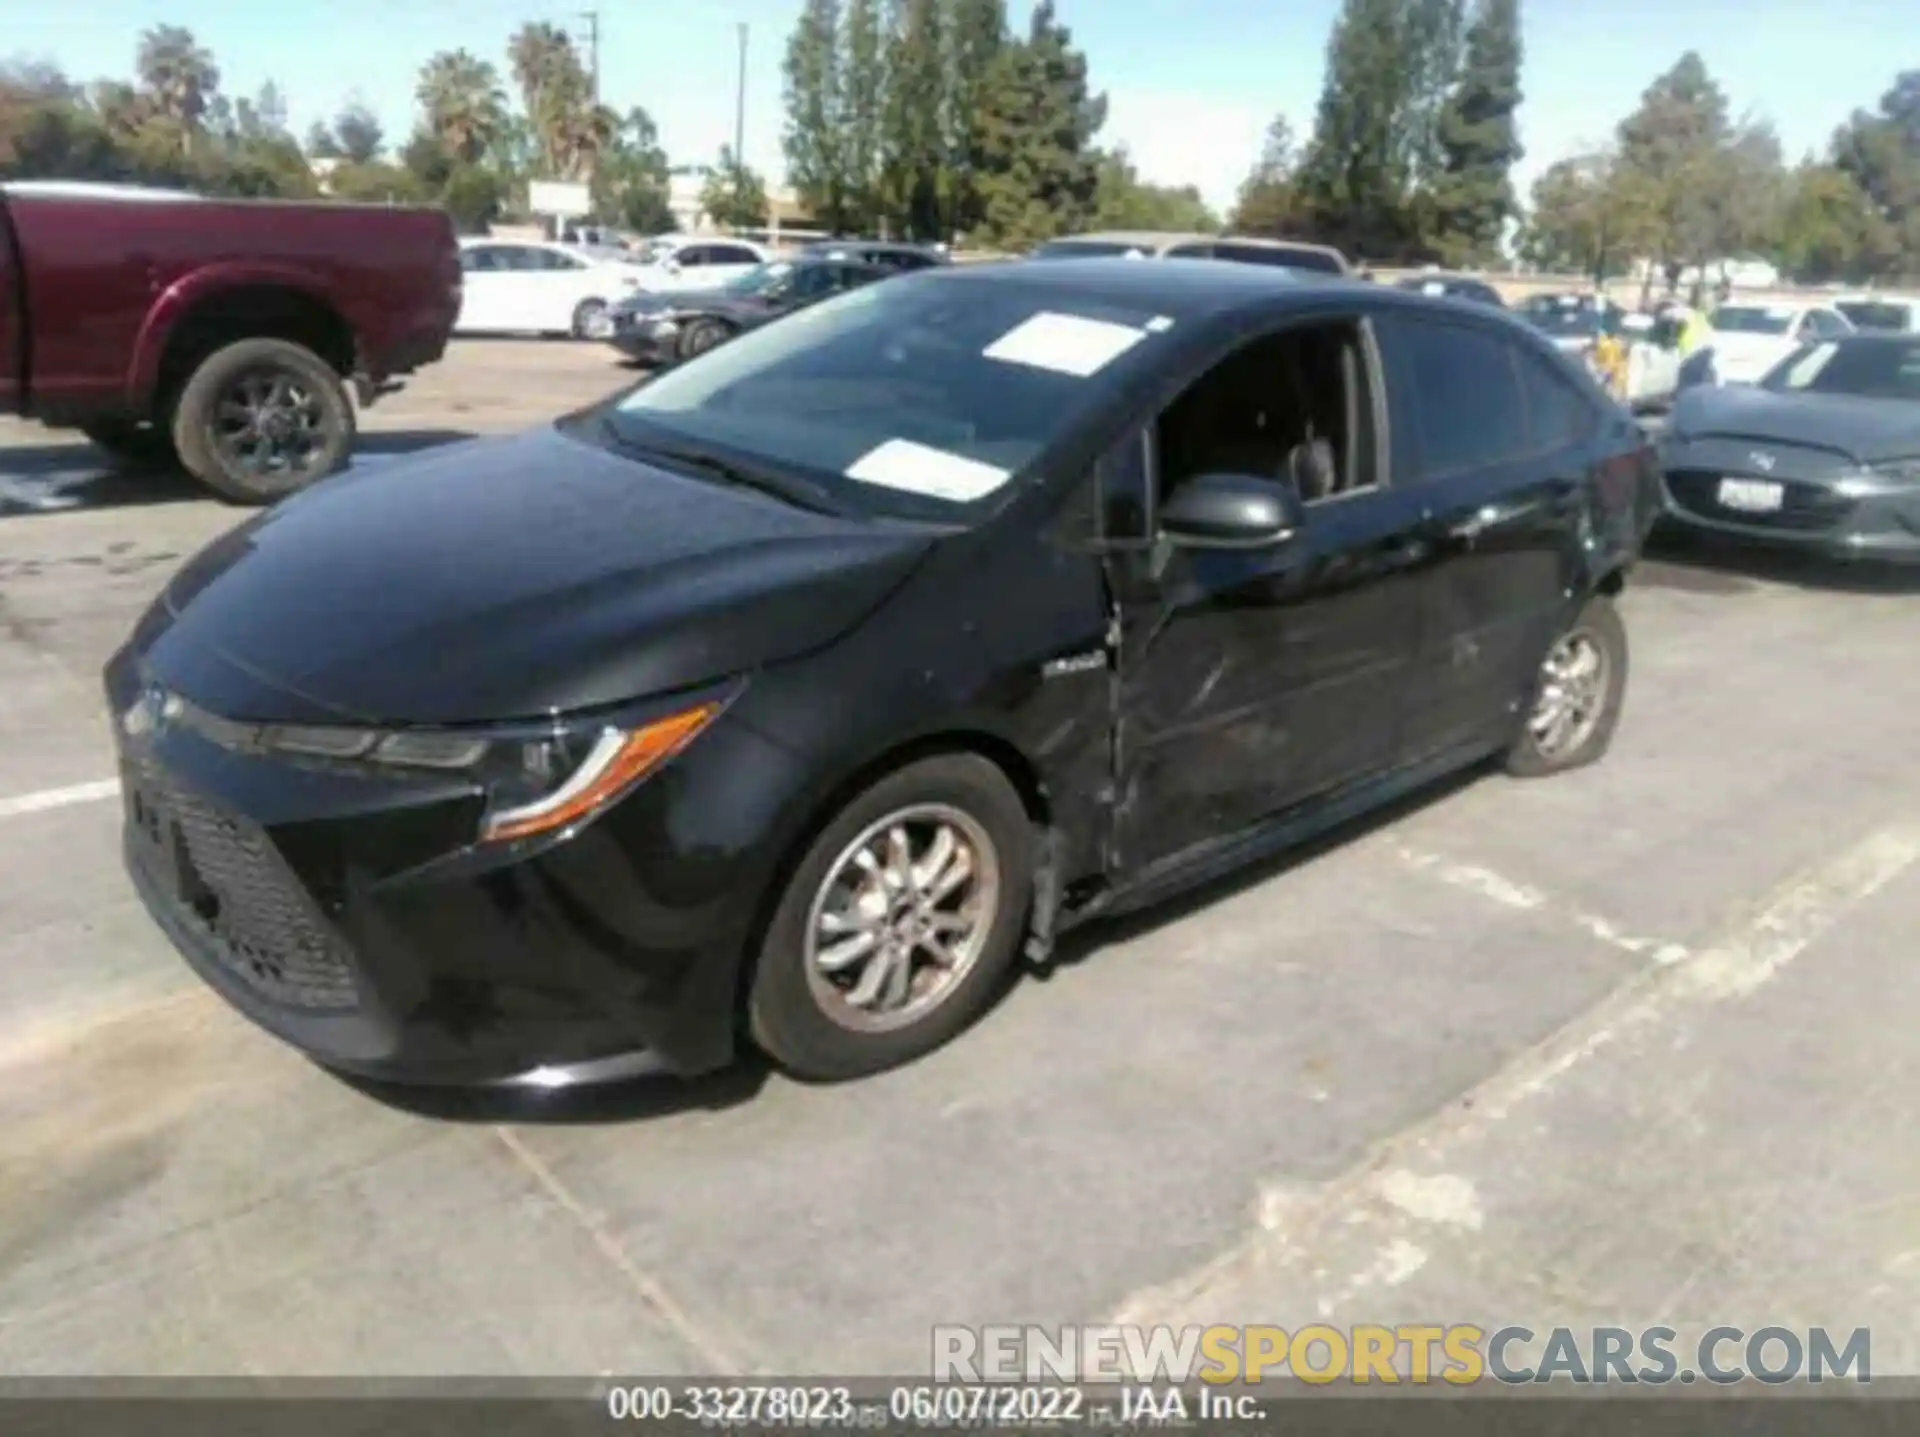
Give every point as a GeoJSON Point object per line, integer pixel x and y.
{"type": "Point", "coordinates": [1064, 343]}
{"type": "Point", "coordinates": [1159, 324]}
{"type": "Point", "coordinates": [921, 469]}
{"type": "Point", "coordinates": [1808, 368]}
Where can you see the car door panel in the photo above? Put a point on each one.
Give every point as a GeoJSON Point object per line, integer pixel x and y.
{"type": "Point", "coordinates": [1501, 530]}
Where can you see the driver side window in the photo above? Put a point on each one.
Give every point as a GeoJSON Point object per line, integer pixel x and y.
{"type": "Point", "coordinates": [1303, 389]}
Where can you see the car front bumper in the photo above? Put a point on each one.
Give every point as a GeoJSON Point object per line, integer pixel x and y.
{"type": "Point", "coordinates": [1822, 509]}
{"type": "Point", "coordinates": [352, 915]}
{"type": "Point", "coordinates": [641, 337]}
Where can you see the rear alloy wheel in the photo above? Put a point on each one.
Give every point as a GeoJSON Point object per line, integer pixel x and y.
{"type": "Point", "coordinates": [144, 446]}
{"type": "Point", "coordinates": [702, 335]}
{"type": "Point", "coordinates": [584, 314]}
{"type": "Point", "coordinates": [899, 925]}
{"type": "Point", "coordinates": [1577, 697]}
{"type": "Point", "coordinates": [262, 418]}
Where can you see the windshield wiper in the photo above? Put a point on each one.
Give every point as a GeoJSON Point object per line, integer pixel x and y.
{"type": "Point", "coordinates": [796, 492]}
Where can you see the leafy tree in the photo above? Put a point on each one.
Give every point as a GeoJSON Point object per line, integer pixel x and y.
{"type": "Point", "coordinates": [180, 78]}
{"type": "Point", "coordinates": [975, 32]}
{"type": "Point", "coordinates": [556, 92]}
{"type": "Point", "coordinates": [376, 182]}
{"type": "Point", "coordinates": [814, 137]}
{"type": "Point", "coordinates": [1589, 215]}
{"type": "Point", "coordinates": [1829, 227]}
{"type": "Point", "coordinates": [863, 99]}
{"type": "Point", "coordinates": [1039, 171]}
{"type": "Point", "coordinates": [1266, 204]}
{"type": "Point", "coordinates": [1472, 196]}
{"type": "Point", "coordinates": [913, 186]}
{"type": "Point", "coordinates": [734, 196]}
{"type": "Point", "coordinates": [1124, 201]}
{"type": "Point", "coordinates": [357, 132]}
{"type": "Point", "coordinates": [630, 183]}
{"type": "Point", "coordinates": [1356, 176]}
{"type": "Point", "coordinates": [1879, 151]}
{"type": "Point", "coordinates": [464, 104]}
{"type": "Point", "coordinates": [1672, 143]}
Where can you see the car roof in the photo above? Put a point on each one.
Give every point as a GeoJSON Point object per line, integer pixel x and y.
{"type": "Point", "coordinates": [1178, 288]}
{"type": "Point", "coordinates": [90, 190]}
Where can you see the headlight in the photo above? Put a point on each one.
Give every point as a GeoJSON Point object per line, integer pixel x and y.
{"type": "Point", "coordinates": [538, 778]}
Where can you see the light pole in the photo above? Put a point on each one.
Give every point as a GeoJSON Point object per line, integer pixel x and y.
{"type": "Point", "coordinates": [740, 105]}
{"type": "Point", "coordinates": [592, 17]}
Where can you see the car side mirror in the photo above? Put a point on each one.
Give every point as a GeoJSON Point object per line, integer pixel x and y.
{"type": "Point", "coordinates": [671, 266]}
{"type": "Point", "coordinates": [1231, 511]}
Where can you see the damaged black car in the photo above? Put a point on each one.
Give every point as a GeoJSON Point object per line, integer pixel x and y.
{"type": "Point", "coordinates": [788, 699]}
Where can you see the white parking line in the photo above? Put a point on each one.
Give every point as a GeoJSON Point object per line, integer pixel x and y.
{"type": "Point", "coordinates": [46, 798]}
{"type": "Point", "coordinates": [1397, 1185]}
{"type": "Point", "coordinates": [1471, 878]}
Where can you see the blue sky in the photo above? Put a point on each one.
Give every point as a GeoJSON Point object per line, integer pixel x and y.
{"type": "Point", "coordinates": [1192, 83]}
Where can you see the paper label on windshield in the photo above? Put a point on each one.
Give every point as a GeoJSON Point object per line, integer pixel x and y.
{"type": "Point", "coordinates": [920, 469]}
{"type": "Point", "coordinates": [1064, 343]}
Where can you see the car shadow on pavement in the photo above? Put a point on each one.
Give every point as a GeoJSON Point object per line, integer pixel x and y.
{"type": "Point", "coordinates": [627, 1101]}
{"type": "Point", "coordinates": [55, 478]}
{"type": "Point", "coordinates": [1687, 561]}
{"type": "Point", "coordinates": [1079, 944]}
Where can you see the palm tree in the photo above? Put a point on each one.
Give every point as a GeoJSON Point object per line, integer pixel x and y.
{"type": "Point", "coordinates": [465, 106]}
{"type": "Point", "coordinates": [178, 75]}
{"type": "Point", "coordinates": [572, 129]}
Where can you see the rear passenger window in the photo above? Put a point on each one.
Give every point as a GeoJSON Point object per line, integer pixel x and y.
{"type": "Point", "coordinates": [1193, 251]}
{"type": "Point", "coordinates": [1559, 416]}
{"type": "Point", "coordinates": [1466, 400]}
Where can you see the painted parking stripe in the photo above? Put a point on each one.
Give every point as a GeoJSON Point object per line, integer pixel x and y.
{"type": "Point", "coordinates": [48, 798]}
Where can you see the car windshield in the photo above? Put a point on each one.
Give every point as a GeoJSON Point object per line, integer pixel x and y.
{"type": "Point", "coordinates": [759, 279]}
{"type": "Point", "coordinates": [1867, 369]}
{"type": "Point", "coordinates": [653, 251]}
{"type": "Point", "coordinates": [1089, 249]}
{"type": "Point", "coordinates": [1892, 317]}
{"type": "Point", "coordinates": [1751, 319]}
{"type": "Point", "coordinates": [921, 398]}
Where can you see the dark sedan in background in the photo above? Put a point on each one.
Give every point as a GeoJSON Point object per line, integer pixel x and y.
{"type": "Point", "coordinates": [1453, 286]}
{"type": "Point", "coordinates": [675, 325]}
{"type": "Point", "coordinates": [894, 255]}
{"type": "Point", "coordinates": [790, 697]}
{"type": "Point", "coordinates": [1822, 454]}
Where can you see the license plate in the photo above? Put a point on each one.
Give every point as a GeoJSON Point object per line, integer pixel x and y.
{"type": "Point", "coordinates": [599, 326]}
{"type": "Point", "coordinates": [1751, 496]}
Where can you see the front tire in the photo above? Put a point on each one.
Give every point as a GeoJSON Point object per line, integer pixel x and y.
{"type": "Point", "coordinates": [1577, 696]}
{"type": "Point", "coordinates": [703, 335]}
{"type": "Point", "coordinates": [262, 418]}
{"type": "Point", "coordinates": [584, 315]}
{"type": "Point", "coordinates": [899, 925]}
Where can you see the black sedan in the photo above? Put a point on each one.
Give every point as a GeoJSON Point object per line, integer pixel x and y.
{"type": "Point", "coordinates": [1822, 454]}
{"type": "Point", "coordinates": [788, 698]}
{"type": "Point", "coordinates": [665, 328]}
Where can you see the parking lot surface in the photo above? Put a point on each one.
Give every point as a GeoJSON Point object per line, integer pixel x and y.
{"type": "Point", "coordinates": [1631, 1045]}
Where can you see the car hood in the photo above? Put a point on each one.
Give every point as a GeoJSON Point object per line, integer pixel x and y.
{"type": "Point", "coordinates": [1869, 430]}
{"type": "Point", "coordinates": [1746, 357]}
{"type": "Point", "coordinates": [505, 579]}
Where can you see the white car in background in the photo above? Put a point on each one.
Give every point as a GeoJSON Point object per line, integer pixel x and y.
{"type": "Point", "coordinates": [1881, 313]}
{"type": "Point", "coordinates": [534, 287]}
{"type": "Point", "coordinates": [1746, 340]}
{"type": "Point", "coordinates": [668, 263]}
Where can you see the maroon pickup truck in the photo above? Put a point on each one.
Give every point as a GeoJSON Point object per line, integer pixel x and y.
{"type": "Point", "coordinates": [228, 336]}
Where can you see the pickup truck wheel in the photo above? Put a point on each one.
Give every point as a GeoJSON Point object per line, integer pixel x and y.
{"type": "Point", "coordinates": [145, 446]}
{"type": "Point", "coordinates": [899, 925]}
{"type": "Point", "coordinates": [1577, 696]}
{"type": "Point", "coordinates": [261, 418]}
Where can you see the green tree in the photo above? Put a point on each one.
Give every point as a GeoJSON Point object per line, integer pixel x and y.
{"type": "Point", "coordinates": [1124, 201]}
{"type": "Point", "coordinates": [1589, 216]}
{"type": "Point", "coordinates": [1879, 150]}
{"type": "Point", "coordinates": [179, 77]}
{"type": "Point", "coordinates": [1672, 144]}
{"type": "Point", "coordinates": [357, 131]}
{"type": "Point", "coordinates": [630, 184]}
{"type": "Point", "coordinates": [1039, 171]}
{"type": "Point", "coordinates": [863, 109]}
{"type": "Point", "coordinates": [464, 106]}
{"type": "Point", "coordinates": [974, 34]}
{"type": "Point", "coordinates": [913, 186]}
{"type": "Point", "coordinates": [1472, 196]}
{"type": "Point", "coordinates": [1356, 176]}
{"type": "Point", "coordinates": [1829, 227]}
{"type": "Point", "coordinates": [556, 93]}
{"type": "Point", "coordinates": [814, 136]}
{"type": "Point", "coordinates": [734, 196]}
{"type": "Point", "coordinates": [1266, 204]}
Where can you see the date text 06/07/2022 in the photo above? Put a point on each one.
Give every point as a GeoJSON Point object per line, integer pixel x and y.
{"type": "Point", "coordinates": [931, 1406]}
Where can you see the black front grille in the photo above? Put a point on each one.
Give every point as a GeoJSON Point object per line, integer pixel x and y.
{"type": "Point", "coordinates": [1803, 507]}
{"type": "Point", "coordinates": [224, 880]}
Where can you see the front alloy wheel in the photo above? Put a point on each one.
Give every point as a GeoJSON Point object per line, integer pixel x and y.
{"type": "Point", "coordinates": [1577, 695]}
{"type": "Point", "coordinates": [899, 922]}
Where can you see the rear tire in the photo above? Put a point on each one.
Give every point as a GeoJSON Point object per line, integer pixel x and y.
{"type": "Point", "coordinates": [144, 446]}
{"type": "Point", "coordinates": [702, 335]}
{"type": "Point", "coordinates": [262, 418]}
{"type": "Point", "coordinates": [804, 1001]}
{"type": "Point", "coordinates": [584, 314]}
{"type": "Point", "coordinates": [1577, 695]}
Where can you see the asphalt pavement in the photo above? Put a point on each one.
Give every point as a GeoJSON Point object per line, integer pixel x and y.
{"type": "Point", "coordinates": [1631, 1045]}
